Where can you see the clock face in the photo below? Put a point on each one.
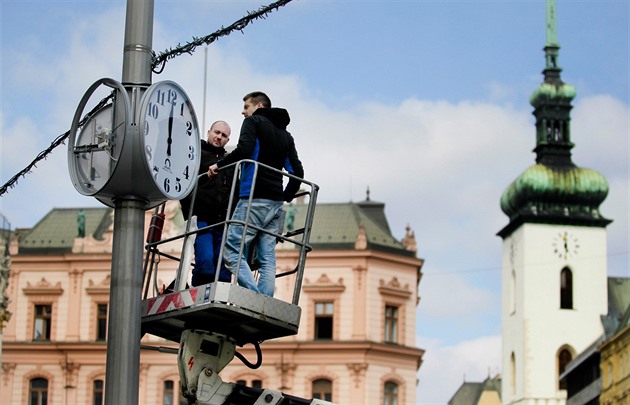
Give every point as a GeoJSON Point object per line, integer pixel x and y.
{"type": "Point", "coordinates": [565, 245]}
{"type": "Point", "coordinates": [96, 150]}
{"type": "Point", "coordinates": [171, 139]}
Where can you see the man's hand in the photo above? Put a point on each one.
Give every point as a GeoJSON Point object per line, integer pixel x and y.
{"type": "Point", "coordinates": [213, 170]}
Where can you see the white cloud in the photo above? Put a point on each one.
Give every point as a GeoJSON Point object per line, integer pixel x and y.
{"type": "Point", "coordinates": [437, 292]}
{"type": "Point", "coordinates": [446, 368]}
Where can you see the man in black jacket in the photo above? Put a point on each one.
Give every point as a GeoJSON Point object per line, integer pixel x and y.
{"type": "Point", "coordinates": [263, 138]}
{"type": "Point", "coordinates": [211, 206]}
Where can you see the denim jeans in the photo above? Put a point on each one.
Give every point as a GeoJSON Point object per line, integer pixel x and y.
{"type": "Point", "coordinates": [207, 246]}
{"type": "Point", "coordinates": [265, 214]}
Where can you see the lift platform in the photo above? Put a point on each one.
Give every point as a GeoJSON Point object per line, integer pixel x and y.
{"type": "Point", "coordinates": [220, 307]}
{"type": "Point", "coordinates": [210, 320]}
{"type": "Point", "coordinates": [224, 308]}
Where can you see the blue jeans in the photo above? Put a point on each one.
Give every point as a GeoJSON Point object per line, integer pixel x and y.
{"type": "Point", "coordinates": [265, 214]}
{"type": "Point", "coordinates": [207, 246]}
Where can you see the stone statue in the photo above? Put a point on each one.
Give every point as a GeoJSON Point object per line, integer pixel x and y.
{"type": "Point", "coordinates": [81, 224]}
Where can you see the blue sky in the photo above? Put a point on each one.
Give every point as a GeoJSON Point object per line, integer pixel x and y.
{"type": "Point", "coordinates": [425, 102]}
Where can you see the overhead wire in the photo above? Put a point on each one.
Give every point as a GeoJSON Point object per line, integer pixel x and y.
{"type": "Point", "coordinates": [157, 66]}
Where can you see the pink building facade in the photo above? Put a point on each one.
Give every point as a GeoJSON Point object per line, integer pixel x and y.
{"type": "Point", "coordinates": [356, 342]}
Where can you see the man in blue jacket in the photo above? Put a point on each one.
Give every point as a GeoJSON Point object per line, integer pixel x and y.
{"type": "Point", "coordinates": [263, 138]}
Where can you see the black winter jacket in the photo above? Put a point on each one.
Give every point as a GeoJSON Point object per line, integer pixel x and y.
{"type": "Point", "coordinates": [264, 138]}
{"type": "Point", "coordinates": [213, 195]}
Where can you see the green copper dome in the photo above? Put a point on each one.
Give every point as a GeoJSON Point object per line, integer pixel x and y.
{"type": "Point", "coordinates": [550, 92]}
{"type": "Point", "coordinates": [547, 191]}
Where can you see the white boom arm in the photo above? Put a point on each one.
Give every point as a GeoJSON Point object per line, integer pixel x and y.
{"type": "Point", "coordinates": [200, 359]}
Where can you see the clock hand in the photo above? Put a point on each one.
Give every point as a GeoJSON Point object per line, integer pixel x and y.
{"type": "Point", "coordinates": [169, 141]}
{"type": "Point", "coordinates": [566, 243]}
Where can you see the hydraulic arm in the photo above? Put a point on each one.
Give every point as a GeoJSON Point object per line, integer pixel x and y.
{"type": "Point", "coordinates": [202, 356]}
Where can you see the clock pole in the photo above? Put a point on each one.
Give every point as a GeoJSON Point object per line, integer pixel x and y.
{"type": "Point", "coordinates": [123, 335]}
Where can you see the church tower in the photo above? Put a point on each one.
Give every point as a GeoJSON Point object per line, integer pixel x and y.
{"type": "Point", "coordinates": [554, 250]}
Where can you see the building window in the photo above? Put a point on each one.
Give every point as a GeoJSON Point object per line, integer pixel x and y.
{"type": "Point", "coordinates": [172, 391]}
{"type": "Point", "coordinates": [254, 383]}
{"type": "Point", "coordinates": [38, 391]}
{"type": "Point", "coordinates": [169, 392]}
{"type": "Point", "coordinates": [101, 322]}
{"type": "Point", "coordinates": [391, 324]}
{"type": "Point", "coordinates": [324, 320]}
{"type": "Point", "coordinates": [566, 289]}
{"type": "Point", "coordinates": [564, 357]}
{"type": "Point", "coordinates": [322, 389]}
{"type": "Point", "coordinates": [391, 393]}
{"type": "Point", "coordinates": [42, 322]}
{"type": "Point", "coordinates": [98, 393]}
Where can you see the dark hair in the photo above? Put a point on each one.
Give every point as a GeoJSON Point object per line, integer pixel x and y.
{"type": "Point", "coordinates": [258, 97]}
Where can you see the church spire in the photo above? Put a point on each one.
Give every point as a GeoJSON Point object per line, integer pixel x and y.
{"type": "Point", "coordinates": [552, 103]}
{"type": "Point", "coordinates": [552, 34]}
{"type": "Point", "coordinates": [554, 190]}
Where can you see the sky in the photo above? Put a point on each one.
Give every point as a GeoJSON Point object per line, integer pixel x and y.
{"type": "Point", "coordinates": [424, 102]}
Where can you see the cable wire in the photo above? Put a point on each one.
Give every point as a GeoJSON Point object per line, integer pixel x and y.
{"type": "Point", "coordinates": [157, 66]}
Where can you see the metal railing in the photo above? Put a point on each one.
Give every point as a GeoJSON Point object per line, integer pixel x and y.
{"type": "Point", "coordinates": [298, 237]}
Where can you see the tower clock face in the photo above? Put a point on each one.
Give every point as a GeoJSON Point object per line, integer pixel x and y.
{"type": "Point", "coordinates": [171, 139]}
{"type": "Point", "coordinates": [565, 245]}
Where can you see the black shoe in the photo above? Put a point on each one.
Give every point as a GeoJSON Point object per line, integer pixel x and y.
{"type": "Point", "coordinates": [171, 288]}
{"type": "Point", "coordinates": [201, 279]}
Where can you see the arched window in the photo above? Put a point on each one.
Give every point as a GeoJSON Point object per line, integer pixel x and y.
{"type": "Point", "coordinates": [390, 393]}
{"type": "Point", "coordinates": [97, 392]}
{"type": "Point", "coordinates": [564, 357]}
{"type": "Point", "coordinates": [38, 391]}
{"type": "Point", "coordinates": [566, 289]}
{"type": "Point", "coordinates": [170, 392]}
{"type": "Point", "coordinates": [322, 389]}
{"type": "Point", "coordinates": [251, 382]}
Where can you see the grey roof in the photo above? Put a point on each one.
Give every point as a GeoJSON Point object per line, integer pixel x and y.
{"type": "Point", "coordinates": [55, 232]}
{"type": "Point", "coordinates": [335, 226]}
{"type": "Point", "coordinates": [618, 306]}
{"type": "Point", "coordinates": [467, 394]}
{"type": "Point", "coordinates": [470, 392]}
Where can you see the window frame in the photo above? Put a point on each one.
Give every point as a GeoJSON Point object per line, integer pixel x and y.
{"type": "Point", "coordinates": [98, 330]}
{"type": "Point", "coordinates": [323, 290]}
{"type": "Point", "coordinates": [391, 324]}
{"type": "Point", "coordinates": [42, 293]}
{"type": "Point", "coordinates": [323, 316]}
{"type": "Point", "coordinates": [394, 294]}
{"type": "Point", "coordinates": [562, 362]}
{"type": "Point", "coordinates": [391, 398]}
{"type": "Point", "coordinates": [45, 390]}
{"type": "Point", "coordinates": [46, 322]}
{"type": "Point", "coordinates": [318, 395]}
{"type": "Point", "coordinates": [566, 288]}
{"type": "Point", "coordinates": [96, 391]}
